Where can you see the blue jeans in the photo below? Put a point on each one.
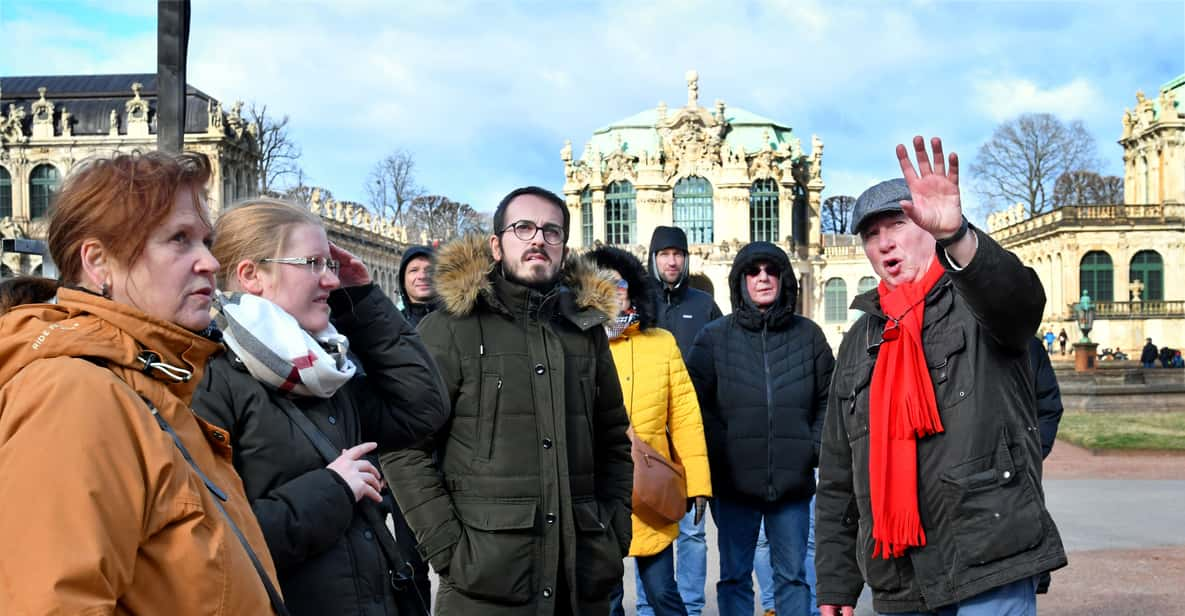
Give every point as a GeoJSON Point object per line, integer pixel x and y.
{"type": "Point", "coordinates": [1016, 599]}
{"type": "Point", "coordinates": [765, 575]}
{"type": "Point", "coordinates": [691, 570]}
{"type": "Point", "coordinates": [657, 574]}
{"type": "Point", "coordinates": [786, 526]}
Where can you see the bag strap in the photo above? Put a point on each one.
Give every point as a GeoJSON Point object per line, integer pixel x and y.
{"type": "Point", "coordinates": [219, 496]}
{"type": "Point", "coordinates": [329, 453]}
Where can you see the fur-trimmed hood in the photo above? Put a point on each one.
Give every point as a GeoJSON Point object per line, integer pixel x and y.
{"type": "Point", "coordinates": [634, 273]}
{"type": "Point", "coordinates": [465, 270]}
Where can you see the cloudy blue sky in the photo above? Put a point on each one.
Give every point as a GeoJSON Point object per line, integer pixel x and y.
{"type": "Point", "coordinates": [484, 93]}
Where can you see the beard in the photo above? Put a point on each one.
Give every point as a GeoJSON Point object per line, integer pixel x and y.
{"type": "Point", "coordinates": [530, 276]}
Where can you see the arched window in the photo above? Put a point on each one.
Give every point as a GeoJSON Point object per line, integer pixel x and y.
{"type": "Point", "coordinates": [586, 216]}
{"type": "Point", "coordinates": [43, 183]}
{"type": "Point", "coordinates": [693, 209]}
{"type": "Point", "coordinates": [620, 217]}
{"type": "Point", "coordinates": [1148, 267]}
{"type": "Point", "coordinates": [1095, 276]}
{"type": "Point", "coordinates": [763, 211]}
{"type": "Point", "coordinates": [5, 193]}
{"type": "Point", "coordinates": [835, 301]}
{"type": "Point", "coordinates": [866, 284]}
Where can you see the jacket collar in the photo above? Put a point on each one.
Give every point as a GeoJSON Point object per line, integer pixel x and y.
{"type": "Point", "coordinates": [466, 278]}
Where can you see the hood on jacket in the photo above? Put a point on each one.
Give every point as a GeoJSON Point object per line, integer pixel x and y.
{"type": "Point", "coordinates": [630, 269]}
{"type": "Point", "coordinates": [663, 238]}
{"type": "Point", "coordinates": [411, 253]}
{"type": "Point", "coordinates": [86, 325]}
{"type": "Point", "coordinates": [465, 270]}
{"type": "Point", "coordinates": [747, 313]}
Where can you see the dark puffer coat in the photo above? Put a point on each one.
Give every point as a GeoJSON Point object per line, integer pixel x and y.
{"type": "Point", "coordinates": [327, 556]}
{"type": "Point", "coordinates": [681, 310]}
{"type": "Point", "coordinates": [979, 480]}
{"type": "Point", "coordinates": [524, 506]}
{"type": "Point", "coordinates": [412, 311]}
{"type": "Point", "coordinates": [762, 381]}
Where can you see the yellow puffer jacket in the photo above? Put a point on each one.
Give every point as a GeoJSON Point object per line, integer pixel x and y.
{"type": "Point", "coordinates": [658, 394]}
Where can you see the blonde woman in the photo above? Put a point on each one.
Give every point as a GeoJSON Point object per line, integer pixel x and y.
{"type": "Point", "coordinates": [321, 373]}
{"type": "Point", "coordinates": [664, 413]}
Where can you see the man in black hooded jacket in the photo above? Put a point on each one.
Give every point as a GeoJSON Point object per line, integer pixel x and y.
{"type": "Point", "coordinates": [762, 376]}
{"type": "Point", "coordinates": [415, 284]}
{"type": "Point", "coordinates": [683, 311]}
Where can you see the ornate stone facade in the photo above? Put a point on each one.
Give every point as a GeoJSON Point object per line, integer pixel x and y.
{"type": "Point", "coordinates": [50, 124]}
{"type": "Point", "coordinates": [1153, 141]}
{"type": "Point", "coordinates": [723, 174]}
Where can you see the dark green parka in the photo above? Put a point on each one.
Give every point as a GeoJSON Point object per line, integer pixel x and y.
{"type": "Point", "coordinates": [979, 480]}
{"type": "Point", "coordinates": [530, 491]}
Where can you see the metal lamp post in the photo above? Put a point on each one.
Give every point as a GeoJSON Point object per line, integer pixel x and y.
{"type": "Point", "coordinates": [1084, 349]}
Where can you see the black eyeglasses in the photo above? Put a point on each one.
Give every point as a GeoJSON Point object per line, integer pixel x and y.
{"type": "Point", "coordinates": [769, 268]}
{"type": "Point", "coordinates": [525, 230]}
{"type": "Point", "coordinates": [317, 265]}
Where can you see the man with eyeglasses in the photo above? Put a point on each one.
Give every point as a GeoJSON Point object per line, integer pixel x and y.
{"type": "Point", "coordinates": [526, 509]}
{"type": "Point", "coordinates": [761, 375]}
{"type": "Point", "coordinates": [930, 476]}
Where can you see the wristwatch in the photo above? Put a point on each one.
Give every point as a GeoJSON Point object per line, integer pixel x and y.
{"type": "Point", "coordinates": [947, 242]}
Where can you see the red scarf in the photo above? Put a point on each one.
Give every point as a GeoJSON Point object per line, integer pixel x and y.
{"type": "Point", "coordinates": [901, 410]}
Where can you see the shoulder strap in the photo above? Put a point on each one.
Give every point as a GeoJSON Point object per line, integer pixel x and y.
{"type": "Point", "coordinates": [219, 496]}
{"type": "Point", "coordinates": [377, 525]}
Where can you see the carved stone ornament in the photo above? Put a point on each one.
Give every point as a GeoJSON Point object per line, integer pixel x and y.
{"type": "Point", "coordinates": [619, 166]}
{"type": "Point", "coordinates": [235, 119]}
{"type": "Point", "coordinates": [11, 130]}
{"type": "Point", "coordinates": [136, 109]}
{"type": "Point", "coordinates": [1168, 110]}
{"type": "Point", "coordinates": [42, 109]}
{"type": "Point", "coordinates": [66, 123]}
{"type": "Point", "coordinates": [214, 118]}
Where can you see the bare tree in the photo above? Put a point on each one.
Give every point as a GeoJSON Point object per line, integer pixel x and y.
{"type": "Point", "coordinates": [391, 185]}
{"type": "Point", "coordinates": [440, 218]}
{"type": "Point", "coordinates": [278, 154]}
{"type": "Point", "coordinates": [1087, 188]}
{"type": "Point", "coordinates": [836, 213]}
{"type": "Point", "coordinates": [1025, 157]}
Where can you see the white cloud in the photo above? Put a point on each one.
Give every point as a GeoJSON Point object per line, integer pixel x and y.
{"type": "Point", "coordinates": [1003, 99]}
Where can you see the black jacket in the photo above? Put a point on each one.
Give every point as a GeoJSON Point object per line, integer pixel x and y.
{"type": "Point", "coordinates": [1049, 396]}
{"type": "Point", "coordinates": [413, 312]}
{"type": "Point", "coordinates": [681, 310]}
{"type": "Point", "coordinates": [1149, 353]}
{"type": "Point", "coordinates": [327, 557]}
{"type": "Point", "coordinates": [979, 481]}
{"type": "Point", "coordinates": [529, 492]}
{"type": "Point", "coordinates": [762, 382]}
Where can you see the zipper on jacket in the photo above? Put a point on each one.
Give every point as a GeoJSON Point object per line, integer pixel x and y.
{"type": "Point", "coordinates": [769, 418]}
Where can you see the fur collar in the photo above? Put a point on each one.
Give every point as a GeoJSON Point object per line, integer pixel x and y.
{"type": "Point", "coordinates": [463, 277]}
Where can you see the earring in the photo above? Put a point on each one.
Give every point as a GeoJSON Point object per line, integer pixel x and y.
{"type": "Point", "coordinates": [105, 290]}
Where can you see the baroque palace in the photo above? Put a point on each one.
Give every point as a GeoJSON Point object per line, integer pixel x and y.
{"type": "Point", "coordinates": [728, 177]}
{"type": "Point", "coordinates": [48, 124]}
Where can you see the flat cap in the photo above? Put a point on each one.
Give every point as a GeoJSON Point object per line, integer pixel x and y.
{"type": "Point", "coordinates": [883, 197]}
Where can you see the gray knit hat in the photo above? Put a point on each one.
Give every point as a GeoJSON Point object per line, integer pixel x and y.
{"type": "Point", "coordinates": [883, 197]}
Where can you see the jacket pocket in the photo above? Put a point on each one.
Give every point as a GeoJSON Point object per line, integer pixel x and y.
{"type": "Point", "coordinates": [951, 371]}
{"type": "Point", "coordinates": [495, 557]}
{"type": "Point", "coordinates": [487, 416]}
{"type": "Point", "coordinates": [997, 512]}
{"type": "Point", "coordinates": [852, 388]}
{"type": "Point", "coordinates": [599, 566]}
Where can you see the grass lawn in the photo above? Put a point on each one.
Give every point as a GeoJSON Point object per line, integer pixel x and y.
{"type": "Point", "coordinates": [1124, 430]}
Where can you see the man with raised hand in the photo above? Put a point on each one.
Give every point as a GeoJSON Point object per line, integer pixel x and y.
{"type": "Point", "coordinates": [930, 475]}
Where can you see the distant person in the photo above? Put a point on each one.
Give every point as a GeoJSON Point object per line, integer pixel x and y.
{"type": "Point", "coordinates": [415, 284]}
{"type": "Point", "coordinates": [1062, 339]}
{"type": "Point", "coordinates": [1149, 354]}
{"type": "Point", "coordinates": [683, 310]}
{"type": "Point", "coordinates": [1049, 341]}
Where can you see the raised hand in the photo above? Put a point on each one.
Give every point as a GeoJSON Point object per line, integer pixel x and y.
{"type": "Point", "coordinates": [936, 206]}
{"type": "Point", "coordinates": [353, 271]}
{"type": "Point", "coordinates": [362, 477]}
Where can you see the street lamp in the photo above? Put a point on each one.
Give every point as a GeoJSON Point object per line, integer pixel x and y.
{"type": "Point", "coordinates": [1084, 312]}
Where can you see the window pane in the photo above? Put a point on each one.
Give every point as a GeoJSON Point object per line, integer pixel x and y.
{"type": "Point", "coordinates": [1147, 266]}
{"type": "Point", "coordinates": [586, 216]}
{"type": "Point", "coordinates": [619, 213]}
{"type": "Point", "coordinates": [5, 193]}
{"type": "Point", "coordinates": [763, 211]}
{"type": "Point", "coordinates": [43, 183]}
{"type": "Point", "coordinates": [693, 209]}
{"type": "Point", "coordinates": [835, 301]}
{"type": "Point", "coordinates": [1096, 277]}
